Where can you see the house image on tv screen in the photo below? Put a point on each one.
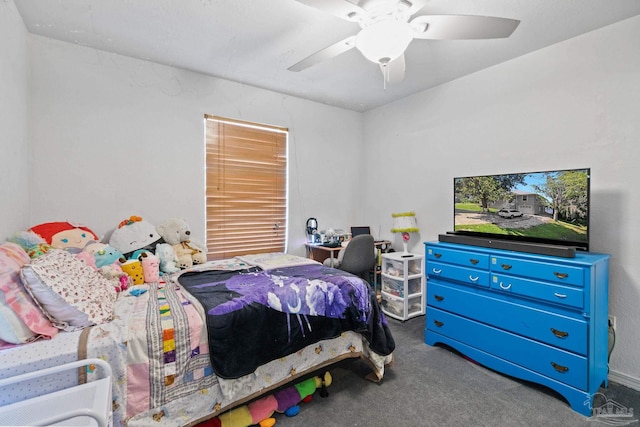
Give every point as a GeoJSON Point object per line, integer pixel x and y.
{"type": "Point", "coordinates": [527, 203]}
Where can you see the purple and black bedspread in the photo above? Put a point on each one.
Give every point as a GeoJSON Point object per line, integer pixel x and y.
{"type": "Point", "coordinates": [255, 316]}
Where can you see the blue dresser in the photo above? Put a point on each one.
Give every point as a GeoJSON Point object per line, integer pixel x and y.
{"type": "Point", "coordinates": [535, 317]}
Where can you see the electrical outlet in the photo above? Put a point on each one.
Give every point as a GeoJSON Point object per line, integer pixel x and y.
{"type": "Point", "coordinates": [612, 321]}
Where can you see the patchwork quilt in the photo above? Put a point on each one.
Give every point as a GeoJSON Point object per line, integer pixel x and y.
{"type": "Point", "coordinates": [157, 347]}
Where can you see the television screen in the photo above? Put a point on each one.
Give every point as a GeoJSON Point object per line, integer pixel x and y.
{"type": "Point", "coordinates": [549, 207]}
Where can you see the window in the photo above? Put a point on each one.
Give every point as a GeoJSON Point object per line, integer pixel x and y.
{"type": "Point", "coordinates": [246, 188]}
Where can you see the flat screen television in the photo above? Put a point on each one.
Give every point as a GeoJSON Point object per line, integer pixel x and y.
{"type": "Point", "coordinates": [550, 207]}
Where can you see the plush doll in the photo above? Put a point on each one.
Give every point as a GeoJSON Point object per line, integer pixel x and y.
{"type": "Point", "coordinates": [104, 254]}
{"type": "Point", "coordinates": [283, 401]}
{"type": "Point", "coordinates": [177, 233]}
{"type": "Point", "coordinates": [134, 234]}
{"type": "Point", "coordinates": [167, 257]}
{"type": "Point", "coordinates": [150, 267]}
{"type": "Point", "coordinates": [64, 235]}
{"type": "Point", "coordinates": [121, 280]}
{"type": "Point", "coordinates": [133, 268]}
{"type": "Point", "coordinates": [108, 260]}
{"type": "Point", "coordinates": [33, 244]}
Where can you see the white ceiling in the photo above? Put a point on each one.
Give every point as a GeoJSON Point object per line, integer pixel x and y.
{"type": "Point", "coordinates": [255, 41]}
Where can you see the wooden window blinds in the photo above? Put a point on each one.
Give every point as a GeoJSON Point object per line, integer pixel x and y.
{"type": "Point", "coordinates": [246, 188]}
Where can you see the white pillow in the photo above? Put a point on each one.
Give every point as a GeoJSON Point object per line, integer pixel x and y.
{"type": "Point", "coordinates": [68, 291]}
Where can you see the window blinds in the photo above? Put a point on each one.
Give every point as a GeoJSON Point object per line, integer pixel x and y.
{"type": "Point", "coordinates": [246, 188]}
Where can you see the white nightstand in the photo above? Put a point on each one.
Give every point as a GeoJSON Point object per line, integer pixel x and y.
{"type": "Point", "coordinates": [403, 285]}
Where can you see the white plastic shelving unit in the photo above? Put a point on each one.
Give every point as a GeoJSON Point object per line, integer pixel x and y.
{"type": "Point", "coordinates": [403, 285]}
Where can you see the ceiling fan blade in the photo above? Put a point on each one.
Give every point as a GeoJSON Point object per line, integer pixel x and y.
{"type": "Point", "coordinates": [393, 72]}
{"type": "Point", "coordinates": [324, 54]}
{"type": "Point", "coordinates": [460, 27]}
{"type": "Point", "coordinates": [340, 8]}
{"type": "Point", "coordinates": [416, 5]}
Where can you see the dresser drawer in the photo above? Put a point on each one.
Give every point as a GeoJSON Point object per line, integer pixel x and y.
{"type": "Point", "coordinates": [461, 274]}
{"type": "Point", "coordinates": [558, 273]}
{"type": "Point", "coordinates": [557, 330]}
{"type": "Point", "coordinates": [463, 258]}
{"type": "Point", "coordinates": [552, 362]}
{"type": "Point", "coordinates": [563, 295]}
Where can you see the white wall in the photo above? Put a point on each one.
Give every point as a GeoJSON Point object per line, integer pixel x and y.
{"type": "Point", "coordinates": [114, 136]}
{"type": "Point", "coordinates": [14, 123]}
{"type": "Point", "coordinates": [571, 105]}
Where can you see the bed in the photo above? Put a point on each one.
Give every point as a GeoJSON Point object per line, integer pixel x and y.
{"type": "Point", "coordinates": [205, 340]}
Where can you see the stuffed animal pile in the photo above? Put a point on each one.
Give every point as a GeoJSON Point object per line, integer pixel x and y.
{"type": "Point", "coordinates": [136, 251]}
{"type": "Point", "coordinates": [284, 401]}
{"type": "Point", "coordinates": [78, 240]}
{"type": "Point", "coordinates": [135, 237]}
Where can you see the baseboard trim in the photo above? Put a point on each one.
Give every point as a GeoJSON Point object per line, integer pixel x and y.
{"type": "Point", "coordinates": [624, 380]}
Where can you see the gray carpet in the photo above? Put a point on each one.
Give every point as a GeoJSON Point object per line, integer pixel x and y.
{"type": "Point", "coordinates": [433, 386]}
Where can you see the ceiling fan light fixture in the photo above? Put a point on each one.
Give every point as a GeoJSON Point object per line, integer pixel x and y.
{"type": "Point", "coordinates": [384, 40]}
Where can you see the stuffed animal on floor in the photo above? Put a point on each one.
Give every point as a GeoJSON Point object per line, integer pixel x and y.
{"type": "Point", "coordinates": [283, 401]}
{"type": "Point", "coordinates": [65, 235]}
{"type": "Point", "coordinates": [177, 233]}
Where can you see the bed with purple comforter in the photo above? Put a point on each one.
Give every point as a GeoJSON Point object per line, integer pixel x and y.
{"type": "Point", "coordinates": [255, 316]}
{"type": "Point", "coordinates": [200, 342]}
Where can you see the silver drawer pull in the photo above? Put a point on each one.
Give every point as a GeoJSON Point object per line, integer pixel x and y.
{"type": "Point", "coordinates": [436, 271]}
{"type": "Point", "coordinates": [561, 275]}
{"type": "Point", "coordinates": [559, 368]}
{"type": "Point", "coordinates": [559, 334]}
{"type": "Point", "coordinates": [559, 295]}
{"type": "Point", "coordinates": [505, 287]}
{"type": "Point", "coordinates": [474, 279]}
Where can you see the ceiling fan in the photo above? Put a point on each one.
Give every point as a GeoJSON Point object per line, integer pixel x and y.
{"type": "Point", "coordinates": [387, 29]}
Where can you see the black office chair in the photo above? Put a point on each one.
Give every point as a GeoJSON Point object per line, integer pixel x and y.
{"type": "Point", "coordinates": [358, 258]}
